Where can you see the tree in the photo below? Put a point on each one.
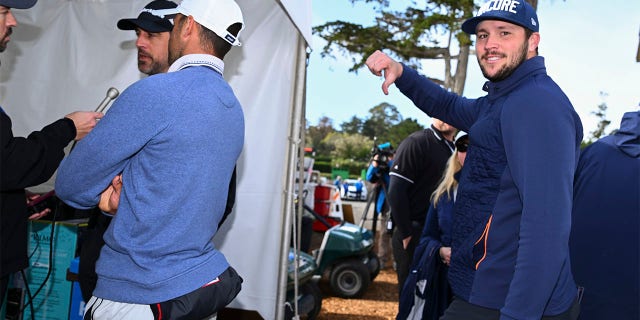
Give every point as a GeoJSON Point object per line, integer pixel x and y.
{"type": "Point", "coordinates": [352, 126]}
{"type": "Point", "coordinates": [350, 146]}
{"type": "Point", "coordinates": [316, 134]}
{"type": "Point", "coordinates": [412, 35]}
{"type": "Point", "coordinates": [402, 130]}
{"type": "Point", "coordinates": [382, 118]}
{"type": "Point", "coordinates": [425, 30]}
{"type": "Point", "coordinates": [603, 122]}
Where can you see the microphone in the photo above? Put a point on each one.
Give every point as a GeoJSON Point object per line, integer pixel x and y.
{"type": "Point", "coordinates": [112, 93]}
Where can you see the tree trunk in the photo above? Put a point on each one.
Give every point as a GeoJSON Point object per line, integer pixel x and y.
{"type": "Point", "coordinates": [461, 69]}
{"type": "Point", "coordinates": [534, 4]}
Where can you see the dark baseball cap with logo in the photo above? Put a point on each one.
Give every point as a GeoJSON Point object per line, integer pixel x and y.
{"type": "Point", "coordinates": [157, 16]}
{"type": "Point", "coordinates": [515, 11]}
{"type": "Point", "coordinates": [18, 4]}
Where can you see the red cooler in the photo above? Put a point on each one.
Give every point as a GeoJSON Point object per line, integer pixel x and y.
{"type": "Point", "coordinates": [322, 206]}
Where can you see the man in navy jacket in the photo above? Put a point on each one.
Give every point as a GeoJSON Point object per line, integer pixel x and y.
{"type": "Point", "coordinates": [27, 162]}
{"type": "Point", "coordinates": [604, 239]}
{"type": "Point", "coordinates": [512, 218]}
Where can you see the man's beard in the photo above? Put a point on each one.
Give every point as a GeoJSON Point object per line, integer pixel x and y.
{"type": "Point", "coordinates": [2, 48]}
{"type": "Point", "coordinates": [508, 68]}
{"type": "Point", "coordinates": [3, 42]}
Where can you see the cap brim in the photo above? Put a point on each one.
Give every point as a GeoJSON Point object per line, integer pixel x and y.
{"type": "Point", "coordinates": [470, 25]}
{"type": "Point", "coordinates": [18, 4]}
{"type": "Point", "coordinates": [146, 25]}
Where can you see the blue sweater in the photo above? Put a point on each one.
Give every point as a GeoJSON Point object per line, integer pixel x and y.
{"type": "Point", "coordinates": [513, 213]}
{"type": "Point", "coordinates": [175, 138]}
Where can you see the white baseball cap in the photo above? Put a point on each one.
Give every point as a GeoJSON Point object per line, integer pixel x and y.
{"type": "Point", "coordinates": [215, 15]}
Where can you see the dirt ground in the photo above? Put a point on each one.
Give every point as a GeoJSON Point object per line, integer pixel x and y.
{"type": "Point", "coordinates": [380, 302]}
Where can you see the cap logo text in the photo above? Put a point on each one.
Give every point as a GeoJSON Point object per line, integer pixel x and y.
{"type": "Point", "coordinates": [161, 13]}
{"type": "Point", "coordinates": [231, 39]}
{"type": "Point", "coordinates": [499, 5]}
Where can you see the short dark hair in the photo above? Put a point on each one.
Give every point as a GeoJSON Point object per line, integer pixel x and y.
{"type": "Point", "coordinates": [527, 33]}
{"type": "Point", "coordinates": [210, 40]}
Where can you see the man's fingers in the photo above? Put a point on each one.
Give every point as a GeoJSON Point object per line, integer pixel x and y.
{"type": "Point", "coordinates": [385, 86]}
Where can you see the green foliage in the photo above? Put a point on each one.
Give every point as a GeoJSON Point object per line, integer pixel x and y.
{"type": "Point", "coordinates": [423, 31]}
{"type": "Point", "coordinates": [316, 135]}
{"type": "Point", "coordinates": [352, 126]}
{"type": "Point", "coordinates": [350, 148]}
{"type": "Point", "coordinates": [354, 167]}
{"type": "Point", "coordinates": [322, 166]}
{"type": "Point", "coordinates": [603, 122]}
{"type": "Point", "coordinates": [382, 118]}
{"type": "Point", "coordinates": [403, 129]}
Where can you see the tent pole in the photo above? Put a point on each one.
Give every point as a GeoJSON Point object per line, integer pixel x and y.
{"type": "Point", "coordinates": [295, 168]}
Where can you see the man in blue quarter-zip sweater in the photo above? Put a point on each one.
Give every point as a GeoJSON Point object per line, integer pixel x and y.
{"type": "Point", "coordinates": [512, 218]}
{"type": "Point", "coordinates": [171, 140]}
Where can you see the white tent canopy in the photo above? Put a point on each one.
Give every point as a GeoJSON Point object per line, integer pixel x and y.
{"type": "Point", "coordinates": [64, 55]}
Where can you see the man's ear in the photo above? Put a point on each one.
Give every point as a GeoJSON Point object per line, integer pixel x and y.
{"type": "Point", "coordinates": [534, 41]}
{"type": "Point", "coordinates": [189, 26]}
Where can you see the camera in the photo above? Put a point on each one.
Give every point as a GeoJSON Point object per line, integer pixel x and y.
{"type": "Point", "coordinates": [380, 154]}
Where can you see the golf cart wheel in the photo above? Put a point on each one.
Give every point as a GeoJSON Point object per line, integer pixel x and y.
{"type": "Point", "coordinates": [373, 264]}
{"type": "Point", "coordinates": [349, 279]}
{"type": "Point", "coordinates": [311, 288]}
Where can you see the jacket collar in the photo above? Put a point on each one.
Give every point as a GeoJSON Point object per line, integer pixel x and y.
{"type": "Point", "coordinates": [439, 136]}
{"type": "Point", "coordinates": [528, 68]}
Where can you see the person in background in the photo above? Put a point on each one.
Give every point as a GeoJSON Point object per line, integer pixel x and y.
{"type": "Point", "coordinates": [166, 176]}
{"type": "Point", "coordinates": [431, 260]}
{"type": "Point", "coordinates": [378, 175]}
{"type": "Point", "coordinates": [338, 184]}
{"type": "Point", "coordinates": [605, 241]}
{"type": "Point", "coordinates": [152, 27]}
{"type": "Point", "coordinates": [512, 217]}
{"type": "Point", "coordinates": [359, 185]}
{"type": "Point", "coordinates": [418, 165]}
{"type": "Point", "coordinates": [27, 162]}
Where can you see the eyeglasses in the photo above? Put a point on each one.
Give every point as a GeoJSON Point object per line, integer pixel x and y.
{"type": "Point", "coordinates": [462, 146]}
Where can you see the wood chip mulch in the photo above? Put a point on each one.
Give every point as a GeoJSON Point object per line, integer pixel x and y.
{"type": "Point", "coordinates": [379, 302]}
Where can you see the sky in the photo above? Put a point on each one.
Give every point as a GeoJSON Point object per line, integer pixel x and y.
{"type": "Point", "coordinates": [589, 47]}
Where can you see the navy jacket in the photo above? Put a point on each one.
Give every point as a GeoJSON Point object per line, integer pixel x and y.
{"type": "Point", "coordinates": [513, 212]}
{"type": "Point", "coordinates": [605, 241]}
{"type": "Point", "coordinates": [428, 268]}
{"type": "Point", "coordinates": [25, 162]}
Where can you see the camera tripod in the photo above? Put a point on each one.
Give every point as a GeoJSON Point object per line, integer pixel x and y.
{"type": "Point", "coordinates": [372, 198]}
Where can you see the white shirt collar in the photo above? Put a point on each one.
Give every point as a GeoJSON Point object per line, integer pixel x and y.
{"type": "Point", "coordinates": [206, 60]}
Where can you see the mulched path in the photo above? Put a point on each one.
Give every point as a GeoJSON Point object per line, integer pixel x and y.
{"type": "Point", "coordinates": [380, 302]}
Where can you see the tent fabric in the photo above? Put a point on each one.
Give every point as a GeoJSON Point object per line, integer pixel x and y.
{"type": "Point", "coordinates": [64, 55]}
{"type": "Point", "coordinates": [300, 13]}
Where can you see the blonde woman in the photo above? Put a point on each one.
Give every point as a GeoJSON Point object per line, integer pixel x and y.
{"type": "Point", "coordinates": [426, 293]}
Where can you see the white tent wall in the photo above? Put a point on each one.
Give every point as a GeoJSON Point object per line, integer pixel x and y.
{"type": "Point", "coordinates": [64, 55]}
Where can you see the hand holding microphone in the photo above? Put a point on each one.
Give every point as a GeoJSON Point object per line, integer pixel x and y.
{"type": "Point", "coordinates": [85, 121]}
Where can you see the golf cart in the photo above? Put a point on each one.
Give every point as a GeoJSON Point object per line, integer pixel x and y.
{"type": "Point", "coordinates": [345, 258]}
{"type": "Point", "coordinates": [309, 297]}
